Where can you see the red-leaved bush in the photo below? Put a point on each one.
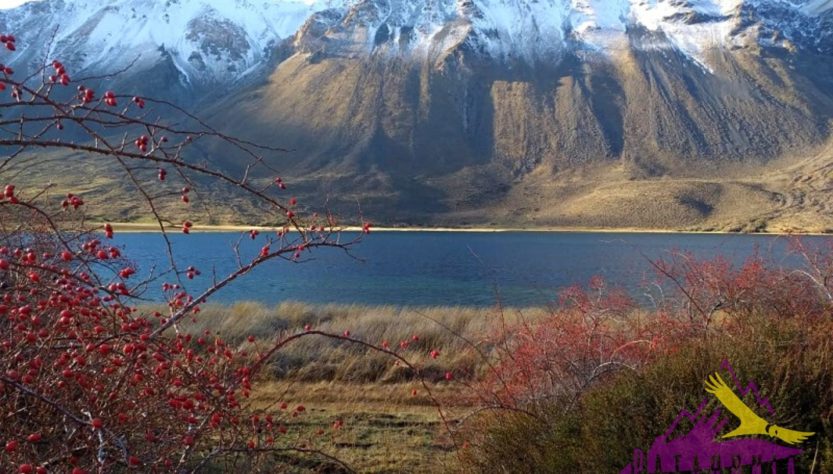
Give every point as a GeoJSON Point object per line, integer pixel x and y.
{"type": "Point", "coordinates": [576, 389]}
{"type": "Point", "coordinates": [595, 330]}
{"type": "Point", "coordinates": [590, 332]}
{"type": "Point", "coordinates": [698, 289]}
{"type": "Point", "coordinates": [90, 381]}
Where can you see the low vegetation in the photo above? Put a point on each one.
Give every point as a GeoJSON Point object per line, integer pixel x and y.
{"type": "Point", "coordinates": [389, 420]}
{"type": "Point", "coordinates": [598, 377]}
{"type": "Point", "coordinates": [629, 409]}
{"type": "Point", "coordinates": [570, 388]}
{"type": "Point", "coordinates": [416, 331]}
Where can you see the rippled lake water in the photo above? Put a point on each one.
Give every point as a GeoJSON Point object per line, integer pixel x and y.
{"type": "Point", "coordinates": [445, 268]}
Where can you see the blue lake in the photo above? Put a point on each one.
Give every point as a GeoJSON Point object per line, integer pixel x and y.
{"type": "Point", "coordinates": [443, 268]}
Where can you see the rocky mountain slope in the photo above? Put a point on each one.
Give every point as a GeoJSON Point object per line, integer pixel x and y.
{"type": "Point", "coordinates": [636, 113]}
{"type": "Point", "coordinates": [196, 47]}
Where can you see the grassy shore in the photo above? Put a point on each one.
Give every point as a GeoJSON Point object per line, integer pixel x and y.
{"type": "Point", "coordinates": [397, 422]}
{"type": "Point", "coordinates": [452, 329]}
{"type": "Point", "coordinates": [386, 427]}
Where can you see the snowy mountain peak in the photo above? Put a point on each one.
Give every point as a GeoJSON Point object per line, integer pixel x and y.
{"type": "Point", "coordinates": [541, 30]}
{"type": "Point", "coordinates": [209, 42]}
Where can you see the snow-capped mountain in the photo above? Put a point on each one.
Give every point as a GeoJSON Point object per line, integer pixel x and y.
{"type": "Point", "coordinates": [222, 41]}
{"type": "Point", "coordinates": [541, 30]}
{"type": "Point", "coordinates": [206, 41]}
{"type": "Point", "coordinates": [482, 108]}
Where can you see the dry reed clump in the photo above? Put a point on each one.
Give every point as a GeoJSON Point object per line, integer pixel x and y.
{"type": "Point", "coordinates": [414, 332]}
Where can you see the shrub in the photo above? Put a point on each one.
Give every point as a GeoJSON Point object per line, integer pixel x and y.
{"type": "Point", "coordinates": [89, 381]}
{"type": "Point", "coordinates": [772, 323]}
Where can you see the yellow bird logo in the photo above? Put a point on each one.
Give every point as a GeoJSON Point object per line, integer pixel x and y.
{"type": "Point", "coordinates": [750, 422]}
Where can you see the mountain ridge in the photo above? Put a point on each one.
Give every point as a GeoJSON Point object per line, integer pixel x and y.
{"type": "Point", "coordinates": [217, 41]}
{"type": "Point", "coordinates": [686, 114]}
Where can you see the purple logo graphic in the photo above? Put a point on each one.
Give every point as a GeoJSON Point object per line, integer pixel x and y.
{"type": "Point", "coordinates": [702, 448]}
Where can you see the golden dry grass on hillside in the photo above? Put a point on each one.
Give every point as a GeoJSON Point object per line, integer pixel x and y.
{"type": "Point", "coordinates": [788, 196]}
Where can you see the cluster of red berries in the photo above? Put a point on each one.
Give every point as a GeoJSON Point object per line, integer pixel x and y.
{"type": "Point", "coordinates": [72, 200]}
{"type": "Point", "coordinates": [118, 288]}
{"type": "Point", "coordinates": [191, 272]}
{"type": "Point", "coordinates": [279, 183]}
{"type": "Point", "coordinates": [142, 143]}
{"type": "Point", "coordinates": [184, 194]}
{"type": "Point", "coordinates": [94, 248]}
{"type": "Point", "coordinates": [170, 286]}
{"type": "Point", "coordinates": [298, 249]}
{"type": "Point", "coordinates": [186, 227]}
{"type": "Point", "coordinates": [60, 75]}
{"type": "Point", "coordinates": [8, 40]}
{"type": "Point", "coordinates": [139, 102]}
{"type": "Point", "coordinates": [8, 193]}
{"type": "Point", "coordinates": [86, 94]}
{"type": "Point", "coordinates": [126, 272]}
{"type": "Point", "coordinates": [108, 231]}
{"type": "Point", "coordinates": [91, 245]}
{"type": "Point", "coordinates": [8, 72]}
{"type": "Point", "coordinates": [110, 98]}
{"type": "Point", "coordinates": [28, 257]}
{"type": "Point", "coordinates": [108, 254]}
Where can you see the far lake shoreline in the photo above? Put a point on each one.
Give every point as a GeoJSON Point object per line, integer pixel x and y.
{"type": "Point", "coordinates": [131, 227]}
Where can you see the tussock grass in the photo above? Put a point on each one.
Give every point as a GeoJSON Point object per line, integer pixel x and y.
{"type": "Point", "coordinates": [452, 330]}
{"type": "Point", "coordinates": [386, 427]}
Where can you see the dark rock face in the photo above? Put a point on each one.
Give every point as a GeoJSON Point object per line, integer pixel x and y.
{"type": "Point", "coordinates": [219, 38]}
